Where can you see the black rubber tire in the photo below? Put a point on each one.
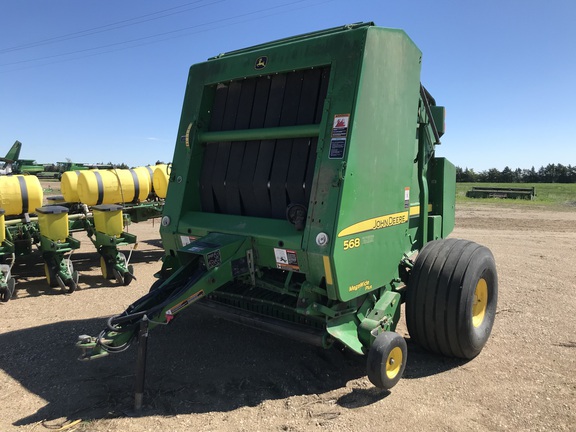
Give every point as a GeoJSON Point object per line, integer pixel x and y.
{"type": "Point", "coordinates": [106, 268]}
{"type": "Point", "coordinates": [71, 286]}
{"type": "Point", "coordinates": [5, 294]}
{"type": "Point", "coordinates": [443, 311]}
{"type": "Point", "coordinates": [386, 360]}
{"type": "Point", "coordinates": [127, 278]}
{"type": "Point", "coordinates": [50, 276]}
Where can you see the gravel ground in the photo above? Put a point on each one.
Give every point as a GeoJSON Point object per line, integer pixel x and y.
{"type": "Point", "coordinates": [211, 375]}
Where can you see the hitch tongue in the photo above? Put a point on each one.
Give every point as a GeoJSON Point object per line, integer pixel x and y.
{"type": "Point", "coordinates": [90, 347]}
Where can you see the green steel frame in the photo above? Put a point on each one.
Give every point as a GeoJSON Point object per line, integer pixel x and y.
{"type": "Point", "coordinates": [303, 183]}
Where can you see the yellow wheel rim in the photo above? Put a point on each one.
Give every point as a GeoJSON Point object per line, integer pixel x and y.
{"type": "Point", "coordinates": [103, 268]}
{"type": "Point", "coordinates": [47, 273]}
{"type": "Point", "coordinates": [480, 303]}
{"type": "Point", "coordinates": [394, 363]}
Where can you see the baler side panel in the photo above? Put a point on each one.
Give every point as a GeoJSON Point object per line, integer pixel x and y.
{"type": "Point", "coordinates": [373, 229]}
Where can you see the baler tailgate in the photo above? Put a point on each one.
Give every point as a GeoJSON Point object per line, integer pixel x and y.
{"type": "Point", "coordinates": [268, 163]}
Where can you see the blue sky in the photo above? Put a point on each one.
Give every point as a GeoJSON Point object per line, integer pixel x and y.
{"type": "Point", "coordinates": [103, 81]}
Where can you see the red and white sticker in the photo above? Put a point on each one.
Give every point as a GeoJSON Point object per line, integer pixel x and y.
{"type": "Point", "coordinates": [186, 240]}
{"type": "Point", "coordinates": [169, 314]}
{"type": "Point", "coordinates": [340, 125]}
{"type": "Point", "coordinates": [406, 197]}
{"type": "Point", "coordinates": [286, 259]}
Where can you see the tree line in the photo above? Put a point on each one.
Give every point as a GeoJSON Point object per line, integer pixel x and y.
{"type": "Point", "coordinates": [551, 173]}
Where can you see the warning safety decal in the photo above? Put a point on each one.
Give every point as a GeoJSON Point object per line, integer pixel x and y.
{"type": "Point", "coordinates": [340, 125]}
{"type": "Point", "coordinates": [337, 147]}
{"type": "Point", "coordinates": [186, 240]}
{"type": "Point", "coordinates": [214, 259]}
{"type": "Point", "coordinates": [179, 306]}
{"type": "Point", "coordinates": [286, 259]}
{"type": "Point", "coordinates": [339, 134]}
{"type": "Point", "coordinates": [406, 197]}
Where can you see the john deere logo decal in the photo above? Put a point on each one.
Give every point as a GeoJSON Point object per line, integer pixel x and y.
{"type": "Point", "coordinates": [261, 62]}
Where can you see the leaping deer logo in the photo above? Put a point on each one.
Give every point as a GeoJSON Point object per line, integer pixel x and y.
{"type": "Point", "coordinates": [261, 62]}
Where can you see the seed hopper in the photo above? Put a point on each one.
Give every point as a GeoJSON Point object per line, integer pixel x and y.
{"type": "Point", "coordinates": [98, 202]}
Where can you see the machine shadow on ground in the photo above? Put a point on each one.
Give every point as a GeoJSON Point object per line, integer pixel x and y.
{"type": "Point", "coordinates": [198, 364]}
{"type": "Point", "coordinates": [422, 363]}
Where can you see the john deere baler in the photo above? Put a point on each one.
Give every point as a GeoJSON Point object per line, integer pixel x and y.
{"type": "Point", "coordinates": [305, 198]}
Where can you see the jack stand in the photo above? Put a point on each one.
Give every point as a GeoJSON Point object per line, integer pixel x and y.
{"type": "Point", "coordinates": [141, 363]}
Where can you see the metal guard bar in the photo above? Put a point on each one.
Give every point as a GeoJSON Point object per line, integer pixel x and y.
{"type": "Point", "coordinates": [283, 132]}
{"type": "Point", "coordinates": [424, 95]}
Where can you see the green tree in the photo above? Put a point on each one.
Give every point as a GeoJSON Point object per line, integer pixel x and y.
{"type": "Point", "coordinates": [506, 176]}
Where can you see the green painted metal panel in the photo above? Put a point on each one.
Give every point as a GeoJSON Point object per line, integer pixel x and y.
{"type": "Point", "coordinates": [373, 215]}
{"type": "Point", "coordinates": [334, 122]}
{"type": "Point", "coordinates": [303, 179]}
{"type": "Point", "coordinates": [443, 193]}
{"type": "Point", "coordinates": [434, 227]}
{"type": "Point", "coordinates": [342, 50]}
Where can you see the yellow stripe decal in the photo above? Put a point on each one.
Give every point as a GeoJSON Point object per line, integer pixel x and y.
{"type": "Point", "coordinates": [375, 223]}
{"type": "Point", "coordinates": [415, 210]}
{"type": "Point", "coordinates": [328, 270]}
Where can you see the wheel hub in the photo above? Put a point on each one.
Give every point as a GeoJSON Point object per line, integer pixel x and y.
{"type": "Point", "coordinates": [480, 303]}
{"type": "Point", "coordinates": [394, 362]}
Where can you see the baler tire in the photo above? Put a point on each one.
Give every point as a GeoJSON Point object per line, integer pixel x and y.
{"type": "Point", "coordinates": [386, 360]}
{"type": "Point", "coordinates": [418, 291]}
{"type": "Point", "coordinates": [451, 298]}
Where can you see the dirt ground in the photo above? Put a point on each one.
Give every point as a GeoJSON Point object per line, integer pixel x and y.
{"type": "Point", "coordinates": [208, 374]}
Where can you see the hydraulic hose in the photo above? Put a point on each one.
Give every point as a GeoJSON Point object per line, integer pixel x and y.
{"type": "Point", "coordinates": [131, 320]}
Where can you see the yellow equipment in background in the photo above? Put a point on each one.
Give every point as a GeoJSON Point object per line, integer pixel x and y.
{"type": "Point", "coordinates": [20, 194]}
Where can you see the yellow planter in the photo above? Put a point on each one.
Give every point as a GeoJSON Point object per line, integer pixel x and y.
{"type": "Point", "coordinates": [160, 180]}
{"type": "Point", "coordinates": [53, 222]}
{"type": "Point", "coordinates": [113, 186]}
{"type": "Point", "coordinates": [69, 186]}
{"type": "Point", "coordinates": [108, 219]}
{"type": "Point", "coordinates": [2, 227]}
{"type": "Point", "coordinates": [20, 194]}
